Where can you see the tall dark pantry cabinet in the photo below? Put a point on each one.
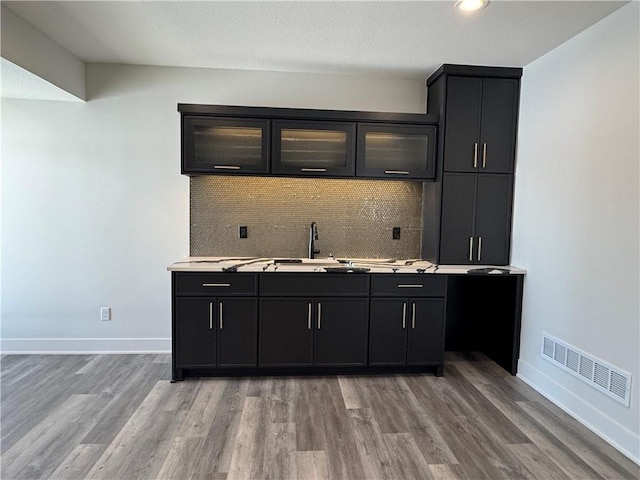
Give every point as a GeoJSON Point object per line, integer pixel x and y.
{"type": "Point", "coordinates": [468, 208]}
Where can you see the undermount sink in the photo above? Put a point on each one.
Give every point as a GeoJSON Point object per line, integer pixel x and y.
{"type": "Point", "coordinates": [306, 263]}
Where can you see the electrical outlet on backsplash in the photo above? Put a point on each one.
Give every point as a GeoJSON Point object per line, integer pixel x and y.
{"type": "Point", "coordinates": [355, 218]}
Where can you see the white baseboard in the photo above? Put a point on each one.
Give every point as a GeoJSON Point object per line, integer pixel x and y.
{"type": "Point", "coordinates": [617, 435]}
{"type": "Point", "coordinates": [84, 345]}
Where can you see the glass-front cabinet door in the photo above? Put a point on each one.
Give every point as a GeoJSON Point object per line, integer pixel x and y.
{"type": "Point", "coordinates": [313, 148]}
{"type": "Point", "coordinates": [225, 145]}
{"type": "Point", "coordinates": [396, 151]}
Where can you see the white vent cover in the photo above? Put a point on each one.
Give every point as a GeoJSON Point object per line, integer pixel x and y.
{"type": "Point", "coordinates": [602, 376]}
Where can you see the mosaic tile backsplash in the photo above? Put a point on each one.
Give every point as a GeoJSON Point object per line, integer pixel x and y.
{"type": "Point", "coordinates": [355, 217]}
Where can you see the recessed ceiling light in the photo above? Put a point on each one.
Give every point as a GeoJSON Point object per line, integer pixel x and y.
{"type": "Point", "coordinates": [471, 5]}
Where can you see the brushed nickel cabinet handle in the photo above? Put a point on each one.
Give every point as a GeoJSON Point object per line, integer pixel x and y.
{"type": "Point", "coordinates": [313, 169]}
{"type": "Point", "coordinates": [210, 315]}
{"type": "Point", "coordinates": [220, 315]}
{"type": "Point", "coordinates": [410, 285]}
{"type": "Point", "coordinates": [404, 315]}
{"type": "Point", "coordinates": [319, 314]}
{"type": "Point", "coordinates": [216, 284]}
{"type": "Point", "coordinates": [471, 249]}
{"type": "Point", "coordinates": [413, 316]}
{"type": "Point", "coordinates": [479, 247]}
{"type": "Point", "coordinates": [484, 155]}
{"type": "Point", "coordinates": [309, 317]}
{"type": "Point", "coordinates": [396, 172]}
{"type": "Point", "coordinates": [475, 155]}
{"type": "Point", "coordinates": [226, 167]}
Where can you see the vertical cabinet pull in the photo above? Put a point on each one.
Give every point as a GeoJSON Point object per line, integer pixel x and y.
{"type": "Point", "coordinates": [220, 315]}
{"type": "Point", "coordinates": [309, 317]}
{"type": "Point", "coordinates": [210, 315]}
{"type": "Point", "coordinates": [479, 247]}
{"type": "Point", "coordinates": [319, 314]}
{"type": "Point", "coordinates": [475, 155]}
{"type": "Point", "coordinates": [484, 155]}
{"type": "Point", "coordinates": [404, 315]}
{"type": "Point", "coordinates": [471, 249]}
{"type": "Point", "coordinates": [413, 316]}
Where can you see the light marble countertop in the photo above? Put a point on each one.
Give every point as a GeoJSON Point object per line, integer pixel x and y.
{"type": "Point", "coordinates": [374, 265]}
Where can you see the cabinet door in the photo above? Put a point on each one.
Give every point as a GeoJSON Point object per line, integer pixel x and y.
{"type": "Point", "coordinates": [396, 151]}
{"type": "Point", "coordinates": [498, 125]}
{"type": "Point", "coordinates": [493, 219]}
{"type": "Point", "coordinates": [237, 324]}
{"type": "Point", "coordinates": [224, 145]}
{"type": "Point", "coordinates": [457, 242]}
{"type": "Point", "coordinates": [461, 139]}
{"type": "Point", "coordinates": [341, 333]}
{"type": "Point", "coordinates": [286, 335]}
{"type": "Point", "coordinates": [388, 336]}
{"type": "Point", "coordinates": [426, 331]}
{"type": "Point", "coordinates": [195, 332]}
{"type": "Point", "coordinates": [313, 148]}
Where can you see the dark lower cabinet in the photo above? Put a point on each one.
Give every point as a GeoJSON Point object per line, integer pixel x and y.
{"type": "Point", "coordinates": [216, 332]}
{"type": "Point", "coordinates": [388, 339]}
{"type": "Point", "coordinates": [195, 337]}
{"type": "Point", "coordinates": [307, 331]}
{"type": "Point", "coordinates": [286, 331]}
{"type": "Point", "coordinates": [237, 332]}
{"type": "Point", "coordinates": [341, 330]}
{"type": "Point", "coordinates": [425, 334]}
{"type": "Point", "coordinates": [406, 331]}
{"type": "Point", "coordinates": [383, 323]}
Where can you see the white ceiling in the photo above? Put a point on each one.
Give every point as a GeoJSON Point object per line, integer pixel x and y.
{"type": "Point", "coordinates": [407, 39]}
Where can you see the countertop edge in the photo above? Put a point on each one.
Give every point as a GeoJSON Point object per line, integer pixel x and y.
{"type": "Point", "coordinates": [376, 266]}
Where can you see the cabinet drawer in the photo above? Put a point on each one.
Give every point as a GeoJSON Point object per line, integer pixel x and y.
{"type": "Point", "coordinates": [215, 284]}
{"type": "Point", "coordinates": [408, 285]}
{"type": "Point", "coordinates": [314, 284]}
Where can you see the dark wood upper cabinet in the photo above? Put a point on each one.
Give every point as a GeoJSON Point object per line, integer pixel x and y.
{"type": "Point", "coordinates": [224, 145]}
{"type": "Point", "coordinates": [233, 140]}
{"type": "Point", "coordinates": [481, 117]}
{"type": "Point", "coordinates": [476, 219]}
{"type": "Point", "coordinates": [457, 231]}
{"type": "Point", "coordinates": [463, 124]}
{"type": "Point", "coordinates": [313, 148]}
{"type": "Point", "coordinates": [396, 151]}
{"type": "Point", "coordinates": [494, 200]}
{"type": "Point", "coordinates": [467, 209]}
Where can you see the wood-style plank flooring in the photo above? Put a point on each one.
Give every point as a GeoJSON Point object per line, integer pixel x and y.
{"type": "Point", "coordinates": [118, 417]}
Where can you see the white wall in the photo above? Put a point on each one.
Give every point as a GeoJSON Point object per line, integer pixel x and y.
{"type": "Point", "coordinates": [94, 204]}
{"type": "Point", "coordinates": [576, 219]}
{"type": "Point", "coordinates": [25, 46]}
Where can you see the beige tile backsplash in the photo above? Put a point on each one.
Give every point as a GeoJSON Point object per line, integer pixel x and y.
{"type": "Point", "coordinates": [355, 217]}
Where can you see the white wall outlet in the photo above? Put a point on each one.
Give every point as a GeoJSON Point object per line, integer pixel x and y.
{"type": "Point", "coordinates": [105, 314]}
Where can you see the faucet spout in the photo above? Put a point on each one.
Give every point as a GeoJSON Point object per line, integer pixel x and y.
{"type": "Point", "coordinates": [313, 236]}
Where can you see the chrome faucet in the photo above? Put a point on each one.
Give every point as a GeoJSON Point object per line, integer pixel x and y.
{"type": "Point", "coordinates": [313, 236]}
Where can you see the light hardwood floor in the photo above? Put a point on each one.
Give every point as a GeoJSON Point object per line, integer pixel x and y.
{"type": "Point", "coordinates": [118, 417]}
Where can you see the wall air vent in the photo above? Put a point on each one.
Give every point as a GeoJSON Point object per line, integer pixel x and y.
{"type": "Point", "coordinates": [602, 376]}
